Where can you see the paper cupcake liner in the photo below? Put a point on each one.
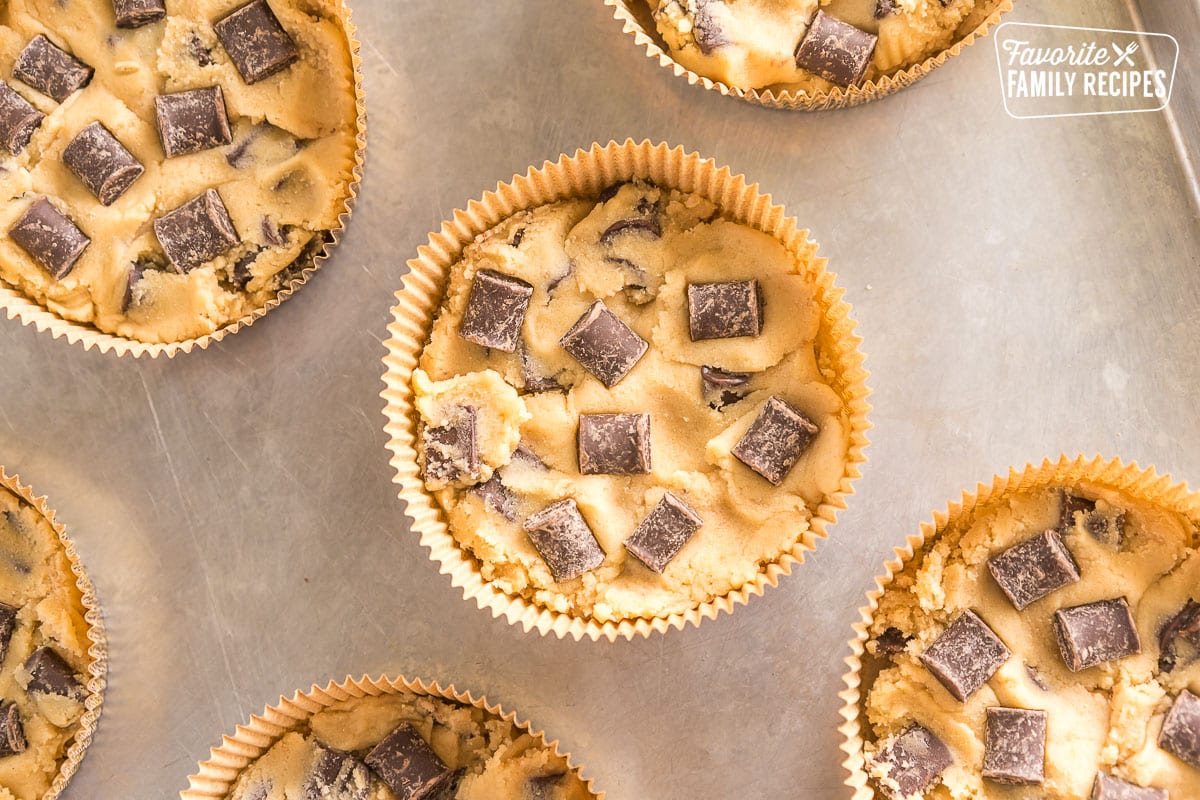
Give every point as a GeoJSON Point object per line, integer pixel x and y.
{"type": "Point", "coordinates": [17, 305]}
{"type": "Point", "coordinates": [585, 174]}
{"type": "Point", "coordinates": [215, 777]}
{"type": "Point", "coordinates": [97, 668]}
{"type": "Point", "coordinates": [635, 15]}
{"type": "Point", "coordinates": [1145, 485]}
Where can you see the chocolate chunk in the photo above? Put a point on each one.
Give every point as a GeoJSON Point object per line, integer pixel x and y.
{"type": "Point", "coordinates": [50, 69]}
{"type": "Point", "coordinates": [256, 42]}
{"type": "Point", "coordinates": [1180, 734]}
{"type": "Point", "coordinates": [452, 448]}
{"type": "Point", "coordinates": [663, 533]}
{"type": "Point", "coordinates": [336, 775]}
{"type": "Point", "coordinates": [1182, 628]}
{"type": "Point", "coordinates": [136, 270]}
{"type": "Point", "coordinates": [884, 8]}
{"type": "Point", "coordinates": [529, 458]}
{"type": "Point", "coordinates": [603, 344]}
{"type": "Point", "coordinates": [546, 787]}
{"type": "Point", "coordinates": [564, 540]}
{"type": "Point", "coordinates": [196, 232]}
{"type": "Point", "coordinates": [50, 674]}
{"type": "Point", "coordinates": [136, 13]}
{"type": "Point", "coordinates": [891, 642]}
{"type": "Point", "coordinates": [517, 238]}
{"type": "Point", "coordinates": [1096, 632]}
{"type": "Point", "coordinates": [534, 377]}
{"type": "Point", "coordinates": [1036, 677]}
{"type": "Point", "coordinates": [646, 225]}
{"type": "Point", "coordinates": [106, 168]}
{"type": "Point", "coordinates": [408, 765]}
{"type": "Point", "coordinates": [498, 497]}
{"type": "Point", "coordinates": [910, 764]}
{"type": "Point", "coordinates": [271, 233]}
{"type": "Point", "coordinates": [720, 388]}
{"type": "Point", "coordinates": [614, 444]}
{"type": "Point", "coordinates": [192, 121]}
{"type": "Point", "coordinates": [18, 120]}
{"type": "Point", "coordinates": [50, 238]}
{"type": "Point", "coordinates": [1015, 746]}
{"type": "Point", "coordinates": [835, 50]}
{"type": "Point", "coordinates": [1029, 571]}
{"type": "Point", "coordinates": [12, 733]}
{"type": "Point", "coordinates": [1108, 787]}
{"type": "Point", "coordinates": [495, 310]}
{"type": "Point", "coordinates": [724, 310]}
{"type": "Point", "coordinates": [8, 624]}
{"type": "Point", "coordinates": [705, 28]}
{"type": "Point", "coordinates": [1072, 503]}
{"type": "Point", "coordinates": [775, 440]}
{"type": "Point", "coordinates": [965, 656]}
{"type": "Point", "coordinates": [1106, 527]}
{"type": "Point", "coordinates": [611, 191]}
{"type": "Point", "coordinates": [201, 53]}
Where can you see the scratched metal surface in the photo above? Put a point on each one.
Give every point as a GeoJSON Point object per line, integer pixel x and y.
{"type": "Point", "coordinates": [1024, 288]}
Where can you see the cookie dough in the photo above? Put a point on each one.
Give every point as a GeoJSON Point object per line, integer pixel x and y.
{"type": "Point", "coordinates": [43, 651]}
{"type": "Point", "coordinates": [276, 154]}
{"type": "Point", "coordinates": [408, 747]}
{"type": "Point", "coordinates": [810, 45]}
{"type": "Point", "coordinates": [1090, 594]}
{"type": "Point", "coordinates": [548, 458]}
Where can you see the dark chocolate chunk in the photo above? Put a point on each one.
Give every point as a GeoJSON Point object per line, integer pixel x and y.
{"type": "Point", "coordinates": [50, 69]}
{"type": "Point", "coordinates": [136, 270]}
{"type": "Point", "coordinates": [611, 191]}
{"type": "Point", "coordinates": [720, 388]}
{"type": "Point", "coordinates": [529, 458]}
{"type": "Point", "coordinates": [256, 42]}
{"type": "Point", "coordinates": [1036, 677]}
{"type": "Point", "coordinates": [884, 8]}
{"type": "Point", "coordinates": [965, 656]}
{"type": "Point", "coordinates": [564, 540]}
{"type": "Point", "coordinates": [136, 13]}
{"type": "Point", "coordinates": [106, 168]}
{"type": "Point", "coordinates": [18, 120]}
{"type": "Point", "coordinates": [663, 533]}
{"type": "Point", "coordinates": [50, 674]}
{"type": "Point", "coordinates": [891, 642]}
{"type": "Point", "coordinates": [336, 775]}
{"type": "Point", "coordinates": [498, 497]}
{"type": "Point", "coordinates": [546, 787]}
{"type": "Point", "coordinates": [8, 624]}
{"type": "Point", "coordinates": [201, 53]}
{"type": "Point", "coordinates": [1180, 734]}
{"type": "Point", "coordinates": [835, 50]}
{"type": "Point", "coordinates": [1094, 633]}
{"type": "Point", "coordinates": [614, 444]}
{"type": "Point", "coordinates": [196, 232]}
{"type": "Point", "coordinates": [1015, 746]}
{"type": "Point", "coordinates": [534, 376]}
{"type": "Point", "coordinates": [1106, 527]}
{"type": "Point", "coordinates": [452, 448]}
{"type": "Point", "coordinates": [408, 765]}
{"type": "Point", "coordinates": [1183, 628]}
{"type": "Point", "coordinates": [517, 238]}
{"type": "Point", "coordinates": [910, 764]}
{"type": "Point", "coordinates": [49, 237]}
{"type": "Point", "coordinates": [1072, 503]}
{"type": "Point", "coordinates": [646, 225]}
{"type": "Point", "coordinates": [12, 732]}
{"type": "Point", "coordinates": [241, 274]}
{"type": "Point", "coordinates": [724, 310]}
{"type": "Point", "coordinates": [1108, 787]}
{"type": "Point", "coordinates": [272, 235]}
{"type": "Point", "coordinates": [1029, 571]}
{"type": "Point", "coordinates": [775, 440]}
{"type": "Point", "coordinates": [495, 310]}
{"type": "Point", "coordinates": [705, 28]}
{"type": "Point", "coordinates": [603, 344]}
{"type": "Point", "coordinates": [192, 121]}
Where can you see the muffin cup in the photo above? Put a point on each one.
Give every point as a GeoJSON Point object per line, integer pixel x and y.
{"type": "Point", "coordinates": [585, 174]}
{"type": "Point", "coordinates": [16, 305]}
{"type": "Point", "coordinates": [97, 668]}
{"type": "Point", "coordinates": [635, 15]}
{"type": "Point", "coordinates": [1143, 484]}
{"type": "Point", "coordinates": [215, 777]}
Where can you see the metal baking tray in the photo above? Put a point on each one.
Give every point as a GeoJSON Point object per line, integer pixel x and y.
{"type": "Point", "coordinates": [1024, 287]}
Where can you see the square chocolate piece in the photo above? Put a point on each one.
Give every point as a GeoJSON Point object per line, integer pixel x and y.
{"type": "Point", "coordinates": [12, 732]}
{"type": "Point", "coordinates": [1029, 571]}
{"type": "Point", "coordinates": [1108, 787]}
{"type": "Point", "coordinates": [1015, 746]}
{"type": "Point", "coordinates": [136, 13]}
{"type": "Point", "coordinates": [835, 50]}
{"type": "Point", "coordinates": [1180, 735]}
{"type": "Point", "coordinates": [50, 238]}
{"type": "Point", "coordinates": [495, 310]}
{"type": "Point", "coordinates": [564, 540]}
{"type": "Point", "coordinates": [614, 444]}
{"type": "Point", "coordinates": [965, 656]}
{"type": "Point", "coordinates": [775, 440]}
{"type": "Point", "coordinates": [50, 674]}
{"type": "Point", "coordinates": [102, 163]}
{"type": "Point", "coordinates": [50, 69]}
{"type": "Point", "coordinates": [18, 120]}
{"type": "Point", "coordinates": [257, 44]}
{"type": "Point", "coordinates": [408, 765]}
{"type": "Point", "coordinates": [1094, 633]}
{"type": "Point", "coordinates": [663, 533]}
{"type": "Point", "coordinates": [452, 448]}
{"type": "Point", "coordinates": [196, 232]}
{"type": "Point", "coordinates": [911, 763]}
{"type": "Point", "coordinates": [192, 121]}
{"type": "Point", "coordinates": [724, 310]}
{"type": "Point", "coordinates": [603, 344]}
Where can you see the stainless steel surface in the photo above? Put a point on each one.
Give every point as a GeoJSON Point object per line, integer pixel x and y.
{"type": "Point", "coordinates": [1025, 287]}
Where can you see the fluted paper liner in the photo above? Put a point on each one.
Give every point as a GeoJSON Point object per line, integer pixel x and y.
{"type": "Point", "coordinates": [635, 16]}
{"type": "Point", "coordinates": [1145, 485]}
{"type": "Point", "coordinates": [215, 777]}
{"type": "Point", "coordinates": [585, 174]}
{"type": "Point", "coordinates": [17, 305]}
{"type": "Point", "coordinates": [97, 668]}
